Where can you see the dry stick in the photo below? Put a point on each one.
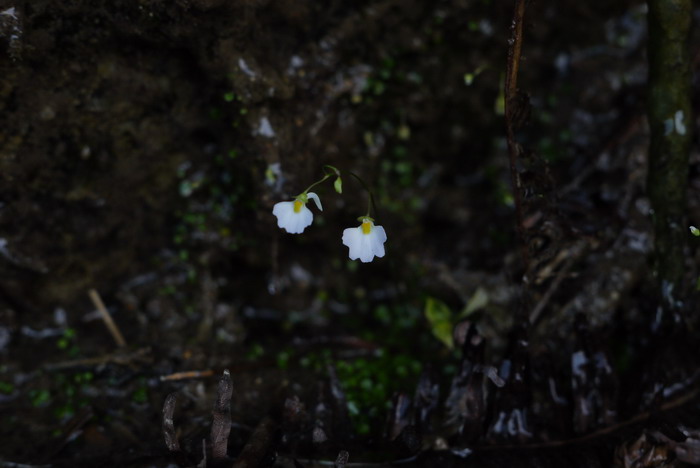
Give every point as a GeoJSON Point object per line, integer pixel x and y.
{"type": "Point", "coordinates": [111, 326]}
{"type": "Point", "coordinates": [669, 405]}
{"type": "Point", "coordinates": [120, 358]}
{"type": "Point", "coordinates": [168, 425]}
{"type": "Point", "coordinates": [342, 460]}
{"type": "Point", "coordinates": [221, 427]}
{"type": "Point", "coordinates": [535, 314]}
{"type": "Point", "coordinates": [194, 374]}
{"type": "Point", "coordinates": [510, 92]}
{"type": "Point", "coordinates": [384, 464]}
{"type": "Point", "coordinates": [73, 427]}
{"type": "Point", "coordinates": [571, 255]}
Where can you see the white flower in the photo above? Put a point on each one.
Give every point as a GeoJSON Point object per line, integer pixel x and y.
{"type": "Point", "coordinates": [365, 241]}
{"type": "Point", "coordinates": [294, 216]}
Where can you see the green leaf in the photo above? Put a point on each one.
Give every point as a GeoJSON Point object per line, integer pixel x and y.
{"type": "Point", "coordinates": [695, 231]}
{"type": "Point", "coordinates": [478, 301]}
{"type": "Point", "coordinates": [440, 318]}
{"type": "Point", "coordinates": [470, 77]}
{"type": "Point", "coordinates": [338, 185]}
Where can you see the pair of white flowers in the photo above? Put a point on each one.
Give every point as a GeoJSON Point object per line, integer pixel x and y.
{"type": "Point", "coordinates": [365, 241]}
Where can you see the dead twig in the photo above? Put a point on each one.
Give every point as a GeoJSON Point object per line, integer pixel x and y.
{"type": "Point", "coordinates": [511, 108]}
{"type": "Point", "coordinates": [195, 374]}
{"type": "Point", "coordinates": [669, 405]}
{"type": "Point", "coordinates": [570, 256]}
{"type": "Point", "coordinates": [544, 301]}
{"type": "Point", "coordinates": [208, 304]}
{"type": "Point", "coordinates": [342, 460]}
{"type": "Point", "coordinates": [104, 313]}
{"type": "Point", "coordinates": [70, 431]}
{"type": "Point", "coordinates": [119, 358]}
{"type": "Point", "coordinates": [221, 426]}
{"type": "Point", "coordinates": [332, 463]}
{"type": "Point", "coordinates": [168, 425]}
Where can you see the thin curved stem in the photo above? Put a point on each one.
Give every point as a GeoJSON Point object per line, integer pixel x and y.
{"type": "Point", "coordinates": [334, 173]}
{"type": "Point", "coordinates": [325, 178]}
{"type": "Point", "coordinates": [370, 201]}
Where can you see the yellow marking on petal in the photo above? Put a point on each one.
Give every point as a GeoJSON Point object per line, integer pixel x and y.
{"type": "Point", "coordinates": [297, 206]}
{"type": "Point", "coordinates": [366, 227]}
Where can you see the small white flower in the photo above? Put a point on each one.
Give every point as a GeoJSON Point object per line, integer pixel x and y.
{"type": "Point", "coordinates": [294, 216]}
{"type": "Point", "coordinates": [365, 241]}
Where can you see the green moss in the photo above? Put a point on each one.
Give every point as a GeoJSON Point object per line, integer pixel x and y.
{"type": "Point", "coordinates": [40, 397]}
{"type": "Point", "coordinates": [369, 384]}
{"type": "Point", "coordinates": [140, 395]}
{"type": "Point", "coordinates": [283, 359]}
{"type": "Point", "coordinates": [6, 388]}
{"type": "Point", "coordinates": [256, 351]}
{"type": "Point", "coordinates": [63, 412]}
{"type": "Point", "coordinates": [83, 377]}
{"type": "Point", "coordinates": [67, 342]}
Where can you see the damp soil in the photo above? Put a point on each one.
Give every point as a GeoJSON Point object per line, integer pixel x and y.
{"type": "Point", "coordinates": [144, 144]}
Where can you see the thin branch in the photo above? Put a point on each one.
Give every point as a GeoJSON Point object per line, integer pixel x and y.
{"type": "Point", "coordinates": [221, 427]}
{"type": "Point", "coordinates": [168, 425]}
{"type": "Point", "coordinates": [669, 405]}
{"type": "Point", "coordinates": [120, 358]}
{"type": "Point", "coordinates": [194, 374]}
{"type": "Point", "coordinates": [104, 313]}
{"type": "Point", "coordinates": [342, 460]}
{"type": "Point", "coordinates": [511, 90]}
{"type": "Point", "coordinates": [569, 257]}
{"type": "Point", "coordinates": [535, 314]}
{"type": "Point", "coordinates": [70, 430]}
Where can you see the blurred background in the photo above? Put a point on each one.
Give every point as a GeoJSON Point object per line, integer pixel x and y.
{"type": "Point", "coordinates": [143, 145]}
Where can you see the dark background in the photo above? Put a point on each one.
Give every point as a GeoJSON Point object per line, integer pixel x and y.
{"type": "Point", "coordinates": [143, 145]}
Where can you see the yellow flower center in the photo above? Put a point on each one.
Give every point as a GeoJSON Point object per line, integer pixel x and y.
{"type": "Point", "coordinates": [366, 227]}
{"type": "Point", "coordinates": [297, 206]}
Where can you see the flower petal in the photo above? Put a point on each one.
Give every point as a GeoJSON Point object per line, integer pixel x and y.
{"type": "Point", "coordinates": [303, 219]}
{"type": "Point", "coordinates": [381, 233]}
{"type": "Point", "coordinates": [377, 246]}
{"type": "Point", "coordinates": [365, 246]}
{"type": "Point", "coordinates": [316, 200]}
{"type": "Point", "coordinates": [289, 220]}
{"type": "Point", "coordinates": [306, 217]}
{"type": "Point", "coordinates": [294, 225]}
{"type": "Point", "coordinates": [352, 238]}
{"type": "Point", "coordinates": [366, 255]}
{"type": "Point", "coordinates": [291, 226]}
{"type": "Point", "coordinates": [282, 210]}
{"type": "Point", "coordinates": [378, 239]}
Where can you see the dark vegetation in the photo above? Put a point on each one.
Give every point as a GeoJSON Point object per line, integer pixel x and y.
{"type": "Point", "coordinates": [143, 145]}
